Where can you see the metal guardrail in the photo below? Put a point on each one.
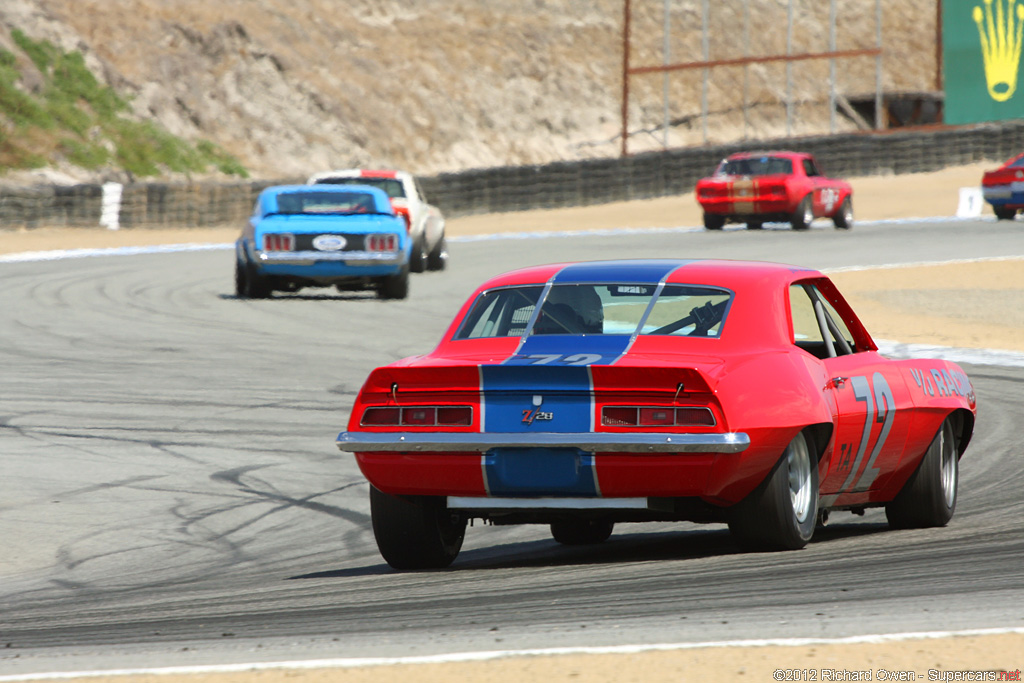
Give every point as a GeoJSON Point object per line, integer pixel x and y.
{"type": "Point", "coordinates": [519, 188]}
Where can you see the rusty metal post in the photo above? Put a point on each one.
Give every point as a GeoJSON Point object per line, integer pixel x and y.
{"type": "Point", "coordinates": [625, 77]}
{"type": "Point", "coordinates": [939, 85]}
{"type": "Point", "coordinates": [879, 124]}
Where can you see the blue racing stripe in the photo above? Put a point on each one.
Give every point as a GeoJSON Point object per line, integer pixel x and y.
{"type": "Point", "coordinates": [570, 350]}
{"type": "Point", "coordinates": [520, 398]}
{"type": "Point", "coordinates": [645, 271]}
{"type": "Point", "coordinates": [538, 398]}
{"type": "Point", "coordinates": [540, 472]}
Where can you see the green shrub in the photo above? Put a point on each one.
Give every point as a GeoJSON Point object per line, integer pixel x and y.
{"type": "Point", "coordinates": [87, 155]}
{"type": "Point", "coordinates": [42, 53]}
{"type": "Point", "coordinates": [73, 106]}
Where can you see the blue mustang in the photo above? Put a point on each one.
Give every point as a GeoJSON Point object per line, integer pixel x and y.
{"type": "Point", "coordinates": [320, 236]}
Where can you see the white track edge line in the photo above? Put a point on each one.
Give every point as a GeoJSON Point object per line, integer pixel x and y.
{"type": "Point", "coordinates": [486, 655]}
{"type": "Point", "coordinates": [543, 234]}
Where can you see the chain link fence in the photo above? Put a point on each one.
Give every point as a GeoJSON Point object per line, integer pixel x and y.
{"type": "Point", "coordinates": [520, 188]}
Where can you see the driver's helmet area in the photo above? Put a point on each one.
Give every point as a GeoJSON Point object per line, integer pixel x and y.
{"type": "Point", "coordinates": [571, 309]}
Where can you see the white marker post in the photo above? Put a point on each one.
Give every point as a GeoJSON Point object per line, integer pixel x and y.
{"type": "Point", "coordinates": [110, 213]}
{"type": "Point", "coordinates": [971, 203]}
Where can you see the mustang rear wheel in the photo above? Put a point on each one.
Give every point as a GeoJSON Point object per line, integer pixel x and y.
{"type": "Point", "coordinates": [929, 496]}
{"type": "Point", "coordinates": [803, 215]}
{"type": "Point", "coordinates": [844, 217]}
{"type": "Point", "coordinates": [415, 532]}
{"type": "Point", "coordinates": [394, 286]}
{"type": "Point", "coordinates": [581, 531]}
{"type": "Point", "coordinates": [249, 285]}
{"type": "Point", "coordinates": [781, 513]}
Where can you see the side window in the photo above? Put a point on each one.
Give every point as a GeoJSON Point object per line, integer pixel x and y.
{"type": "Point", "coordinates": [810, 169]}
{"type": "Point", "coordinates": [817, 326]}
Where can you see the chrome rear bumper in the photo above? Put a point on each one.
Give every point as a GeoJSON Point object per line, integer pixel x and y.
{"type": "Point", "coordinates": [450, 442]}
{"type": "Point", "coordinates": [351, 258]}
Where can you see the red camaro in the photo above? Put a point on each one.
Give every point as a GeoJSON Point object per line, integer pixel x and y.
{"type": "Point", "coordinates": [582, 395]}
{"type": "Point", "coordinates": [758, 187]}
{"type": "Point", "coordinates": [1003, 188]}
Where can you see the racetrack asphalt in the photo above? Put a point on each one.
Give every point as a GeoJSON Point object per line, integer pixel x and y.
{"type": "Point", "coordinates": [171, 492]}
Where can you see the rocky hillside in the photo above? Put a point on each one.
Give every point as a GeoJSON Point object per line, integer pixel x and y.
{"type": "Point", "coordinates": [291, 86]}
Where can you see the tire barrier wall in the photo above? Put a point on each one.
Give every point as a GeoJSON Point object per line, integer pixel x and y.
{"type": "Point", "coordinates": [518, 188]}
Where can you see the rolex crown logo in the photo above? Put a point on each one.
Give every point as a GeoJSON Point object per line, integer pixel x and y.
{"type": "Point", "coordinates": [1000, 32]}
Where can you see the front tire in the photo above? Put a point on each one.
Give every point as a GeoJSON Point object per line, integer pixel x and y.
{"type": "Point", "coordinates": [803, 215]}
{"type": "Point", "coordinates": [844, 217]}
{"type": "Point", "coordinates": [581, 531]}
{"type": "Point", "coordinates": [781, 513]}
{"type": "Point", "coordinates": [928, 499]}
{"type": "Point", "coordinates": [415, 532]}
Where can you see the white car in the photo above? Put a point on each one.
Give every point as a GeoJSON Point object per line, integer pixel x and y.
{"type": "Point", "coordinates": [423, 220]}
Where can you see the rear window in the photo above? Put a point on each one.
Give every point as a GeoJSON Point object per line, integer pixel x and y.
{"type": "Point", "coordinates": [392, 187]}
{"type": "Point", "coordinates": [755, 166]}
{"type": "Point", "coordinates": [294, 203]}
{"type": "Point", "coordinates": [598, 309]}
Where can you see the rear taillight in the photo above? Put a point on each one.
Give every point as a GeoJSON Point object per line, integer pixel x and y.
{"type": "Point", "coordinates": [278, 242]}
{"type": "Point", "coordinates": [382, 242]}
{"type": "Point", "coordinates": [645, 416]}
{"type": "Point", "coordinates": [418, 416]}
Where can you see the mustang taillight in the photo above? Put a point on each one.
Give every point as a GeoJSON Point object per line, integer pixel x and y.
{"type": "Point", "coordinates": [644, 416]}
{"type": "Point", "coordinates": [418, 416]}
{"type": "Point", "coordinates": [278, 242]}
{"type": "Point", "coordinates": [382, 242]}
{"type": "Point", "coordinates": [778, 190]}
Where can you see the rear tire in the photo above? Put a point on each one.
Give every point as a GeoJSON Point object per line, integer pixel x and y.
{"type": "Point", "coordinates": [415, 532]}
{"type": "Point", "coordinates": [713, 221]}
{"type": "Point", "coordinates": [781, 513]}
{"type": "Point", "coordinates": [418, 258]}
{"type": "Point", "coordinates": [581, 531]}
{"type": "Point", "coordinates": [1004, 214]}
{"type": "Point", "coordinates": [928, 499]}
{"type": "Point", "coordinates": [844, 217]}
{"type": "Point", "coordinates": [394, 286]}
{"type": "Point", "coordinates": [437, 259]}
{"type": "Point", "coordinates": [803, 215]}
{"type": "Point", "coordinates": [249, 285]}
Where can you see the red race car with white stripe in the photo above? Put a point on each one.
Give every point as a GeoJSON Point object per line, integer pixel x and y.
{"type": "Point", "coordinates": [759, 187]}
{"type": "Point", "coordinates": [588, 394]}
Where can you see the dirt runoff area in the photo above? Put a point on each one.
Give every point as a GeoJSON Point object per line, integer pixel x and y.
{"type": "Point", "coordinates": [907, 305]}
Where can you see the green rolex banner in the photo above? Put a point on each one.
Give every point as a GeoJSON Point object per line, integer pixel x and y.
{"type": "Point", "coordinates": [981, 42]}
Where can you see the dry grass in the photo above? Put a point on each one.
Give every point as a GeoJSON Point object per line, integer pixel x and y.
{"type": "Point", "coordinates": [434, 85]}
